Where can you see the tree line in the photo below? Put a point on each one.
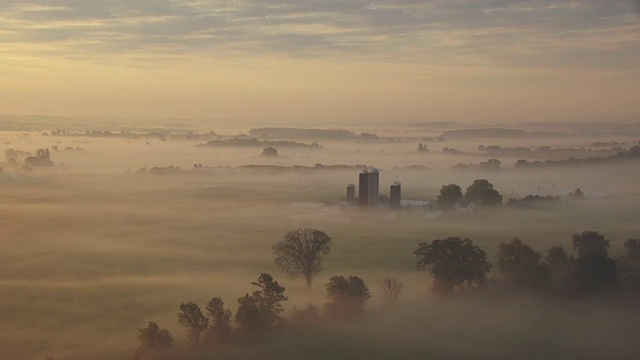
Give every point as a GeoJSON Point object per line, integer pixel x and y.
{"type": "Point", "coordinates": [454, 265]}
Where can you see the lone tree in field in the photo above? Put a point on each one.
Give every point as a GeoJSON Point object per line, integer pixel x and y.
{"type": "Point", "coordinates": [449, 196]}
{"type": "Point", "coordinates": [452, 263]}
{"type": "Point", "coordinates": [261, 309]}
{"type": "Point", "coordinates": [192, 318]}
{"type": "Point", "coordinates": [300, 252]}
{"type": "Point", "coordinates": [153, 341]}
{"type": "Point", "coordinates": [347, 296]}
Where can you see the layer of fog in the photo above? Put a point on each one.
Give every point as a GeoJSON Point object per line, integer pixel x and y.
{"type": "Point", "coordinates": [92, 252]}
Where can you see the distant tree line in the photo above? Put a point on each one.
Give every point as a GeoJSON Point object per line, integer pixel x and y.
{"type": "Point", "coordinates": [489, 165]}
{"type": "Point", "coordinates": [546, 150]}
{"type": "Point", "coordinates": [252, 142]}
{"type": "Point", "coordinates": [632, 154]}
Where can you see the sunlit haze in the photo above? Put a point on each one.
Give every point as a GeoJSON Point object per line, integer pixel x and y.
{"type": "Point", "coordinates": [306, 61]}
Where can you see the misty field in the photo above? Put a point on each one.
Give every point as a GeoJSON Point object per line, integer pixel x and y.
{"type": "Point", "coordinates": [94, 249]}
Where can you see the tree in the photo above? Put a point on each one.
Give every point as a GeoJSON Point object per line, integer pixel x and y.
{"type": "Point", "coordinates": [521, 265]}
{"type": "Point", "coordinates": [594, 272]}
{"type": "Point", "coordinates": [452, 263]}
{"type": "Point", "coordinates": [153, 341]}
{"type": "Point", "coordinates": [422, 148]}
{"type": "Point", "coordinates": [578, 194]}
{"type": "Point", "coordinates": [248, 314]}
{"type": "Point", "coordinates": [449, 196]}
{"type": "Point", "coordinates": [269, 152]}
{"type": "Point", "coordinates": [491, 164]}
{"type": "Point", "coordinates": [560, 267]}
{"type": "Point", "coordinates": [558, 262]}
{"type": "Point", "coordinates": [262, 308]}
{"type": "Point", "coordinates": [192, 318]}
{"type": "Point", "coordinates": [390, 289]}
{"type": "Point", "coordinates": [42, 158]}
{"type": "Point", "coordinates": [220, 327]}
{"type": "Point", "coordinates": [630, 265]}
{"type": "Point", "coordinates": [482, 193]}
{"type": "Point", "coordinates": [590, 244]}
{"type": "Point", "coordinates": [347, 296]}
{"type": "Point", "coordinates": [300, 252]}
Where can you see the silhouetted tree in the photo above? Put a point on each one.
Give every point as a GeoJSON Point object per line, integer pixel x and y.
{"type": "Point", "coordinates": [262, 308]}
{"type": "Point", "coordinates": [482, 193]}
{"type": "Point", "coordinates": [422, 148]}
{"type": "Point", "coordinates": [269, 152]}
{"type": "Point", "coordinates": [449, 196]}
{"type": "Point", "coordinates": [300, 252]}
{"type": "Point", "coordinates": [590, 243]}
{"type": "Point", "coordinates": [390, 289]}
{"type": "Point", "coordinates": [154, 342]}
{"type": "Point", "coordinates": [594, 271]}
{"type": "Point", "coordinates": [452, 263]}
{"type": "Point", "coordinates": [491, 164]}
{"type": "Point", "coordinates": [192, 318]}
{"type": "Point", "coordinates": [521, 265]}
{"type": "Point", "coordinates": [42, 158]}
{"type": "Point", "coordinates": [577, 194]}
{"type": "Point", "coordinates": [560, 266]}
{"type": "Point", "coordinates": [347, 296]}
{"type": "Point", "coordinates": [220, 318]}
{"type": "Point", "coordinates": [248, 314]}
{"type": "Point", "coordinates": [630, 265]}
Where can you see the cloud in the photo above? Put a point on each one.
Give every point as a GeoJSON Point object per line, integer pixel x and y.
{"type": "Point", "coordinates": [520, 33]}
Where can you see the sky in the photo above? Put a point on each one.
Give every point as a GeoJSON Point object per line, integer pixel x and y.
{"type": "Point", "coordinates": [319, 61]}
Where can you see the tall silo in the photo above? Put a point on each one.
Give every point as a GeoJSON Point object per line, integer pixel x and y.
{"type": "Point", "coordinates": [374, 188]}
{"type": "Point", "coordinates": [363, 188]}
{"type": "Point", "coordinates": [351, 193]}
{"type": "Point", "coordinates": [395, 195]}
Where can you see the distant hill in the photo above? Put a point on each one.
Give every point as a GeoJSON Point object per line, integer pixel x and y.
{"type": "Point", "coordinates": [498, 133]}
